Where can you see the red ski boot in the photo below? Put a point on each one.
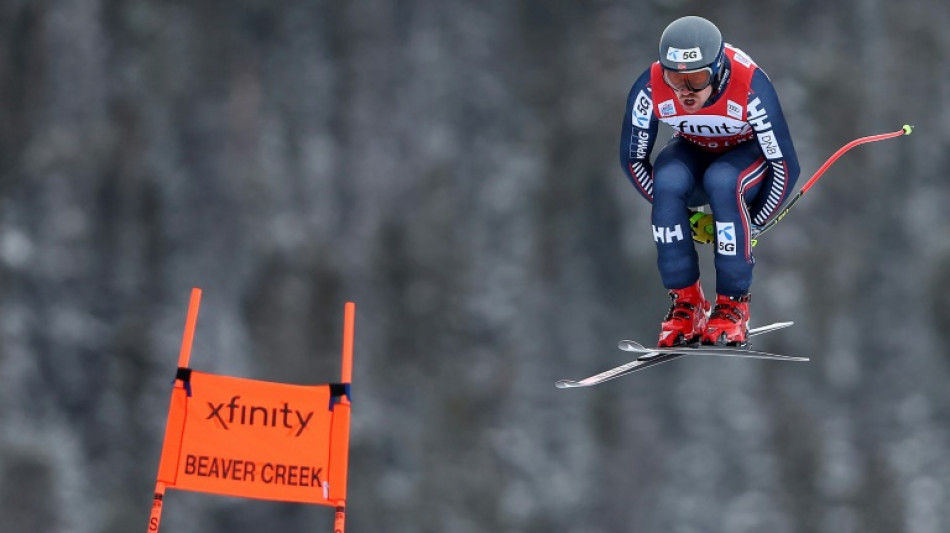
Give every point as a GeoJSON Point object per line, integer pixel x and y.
{"type": "Point", "coordinates": [729, 322]}
{"type": "Point", "coordinates": [686, 321]}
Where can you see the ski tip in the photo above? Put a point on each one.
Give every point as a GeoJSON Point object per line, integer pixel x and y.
{"type": "Point", "coordinates": [566, 384]}
{"type": "Point", "coordinates": [769, 327]}
{"type": "Point", "coordinates": [631, 346]}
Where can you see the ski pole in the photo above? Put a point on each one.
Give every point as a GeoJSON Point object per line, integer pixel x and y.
{"type": "Point", "coordinates": [906, 130]}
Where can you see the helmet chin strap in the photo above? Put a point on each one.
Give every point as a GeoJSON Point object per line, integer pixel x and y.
{"type": "Point", "coordinates": [722, 77]}
{"type": "Point", "coordinates": [722, 71]}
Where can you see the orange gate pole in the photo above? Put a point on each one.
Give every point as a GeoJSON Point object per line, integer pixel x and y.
{"type": "Point", "coordinates": [346, 376]}
{"type": "Point", "coordinates": [155, 519]}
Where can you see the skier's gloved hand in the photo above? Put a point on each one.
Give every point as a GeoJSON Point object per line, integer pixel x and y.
{"type": "Point", "coordinates": [756, 230]}
{"type": "Point", "coordinates": [703, 226]}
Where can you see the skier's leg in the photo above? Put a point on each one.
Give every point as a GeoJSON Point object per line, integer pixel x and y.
{"type": "Point", "coordinates": [675, 174]}
{"type": "Point", "coordinates": [731, 182]}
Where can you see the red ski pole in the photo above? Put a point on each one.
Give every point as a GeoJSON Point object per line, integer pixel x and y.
{"type": "Point", "coordinates": [906, 130]}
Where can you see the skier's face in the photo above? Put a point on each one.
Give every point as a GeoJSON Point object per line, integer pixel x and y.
{"type": "Point", "coordinates": [692, 101]}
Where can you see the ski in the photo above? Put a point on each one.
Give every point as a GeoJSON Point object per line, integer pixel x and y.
{"type": "Point", "coordinates": [726, 351]}
{"type": "Point", "coordinates": [654, 356]}
{"type": "Point", "coordinates": [723, 351]}
{"type": "Point", "coordinates": [616, 372]}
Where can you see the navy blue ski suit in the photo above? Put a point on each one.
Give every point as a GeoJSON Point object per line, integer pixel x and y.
{"type": "Point", "coordinates": [735, 154]}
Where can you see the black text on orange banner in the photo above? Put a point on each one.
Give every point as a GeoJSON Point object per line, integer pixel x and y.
{"type": "Point", "coordinates": [250, 471]}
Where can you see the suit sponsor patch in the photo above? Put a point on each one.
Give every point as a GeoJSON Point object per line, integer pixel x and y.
{"type": "Point", "coordinates": [726, 238]}
{"type": "Point", "coordinates": [642, 109]}
{"type": "Point", "coordinates": [734, 110]}
{"type": "Point", "coordinates": [667, 108]}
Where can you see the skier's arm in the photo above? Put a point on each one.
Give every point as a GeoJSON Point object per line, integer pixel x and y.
{"type": "Point", "coordinates": [771, 130]}
{"type": "Point", "coordinates": [638, 135]}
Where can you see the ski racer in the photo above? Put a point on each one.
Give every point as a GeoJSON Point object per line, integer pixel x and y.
{"type": "Point", "coordinates": [730, 150]}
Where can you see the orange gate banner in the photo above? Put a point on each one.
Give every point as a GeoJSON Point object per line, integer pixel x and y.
{"type": "Point", "coordinates": [257, 439]}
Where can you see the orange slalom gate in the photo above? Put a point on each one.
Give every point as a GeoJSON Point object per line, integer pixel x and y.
{"type": "Point", "coordinates": [257, 439]}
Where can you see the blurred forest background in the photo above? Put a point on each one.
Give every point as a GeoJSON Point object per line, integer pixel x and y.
{"type": "Point", "coordinates": [452, 167]}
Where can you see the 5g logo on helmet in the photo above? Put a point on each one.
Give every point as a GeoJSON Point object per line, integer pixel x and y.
{"type": "Point", "coordinates": [684, 54]}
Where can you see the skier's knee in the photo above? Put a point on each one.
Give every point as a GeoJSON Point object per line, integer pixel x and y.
{"type": "Point", "coordinates": [673, 179]}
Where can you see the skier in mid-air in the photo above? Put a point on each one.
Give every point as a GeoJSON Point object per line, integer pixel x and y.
{"type": "Point", "coordinates": [731, 149]}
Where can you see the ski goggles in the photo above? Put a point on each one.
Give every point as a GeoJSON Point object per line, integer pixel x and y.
{"type": "Point", "coordinates": [693, 80]}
